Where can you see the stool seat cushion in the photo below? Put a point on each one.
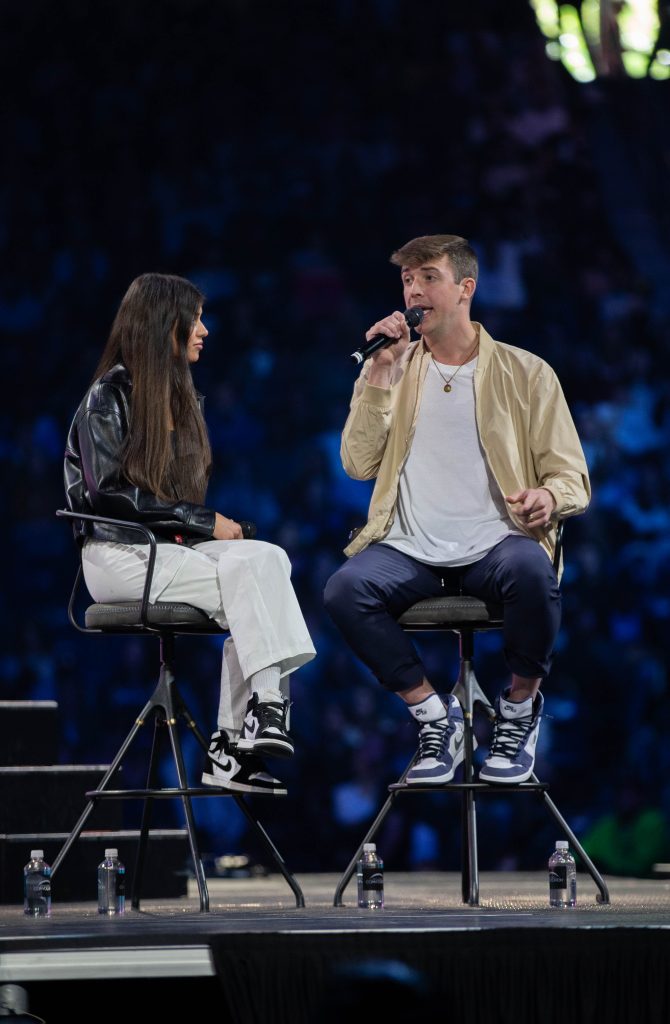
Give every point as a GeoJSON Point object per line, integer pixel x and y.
{"type": "Point", "coordinates": [122, 616]}
{"type": "Point", "coordinates": [450, 612]}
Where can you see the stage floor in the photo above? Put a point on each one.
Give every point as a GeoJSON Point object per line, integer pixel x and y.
{"type": "Point", "coordinates": [265, 959]}
{"type": "Point", "coordinates": [164, 937]}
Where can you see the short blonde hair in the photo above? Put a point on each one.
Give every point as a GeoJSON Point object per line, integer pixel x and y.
{"type": "Point", "coordinates": [462, 257]}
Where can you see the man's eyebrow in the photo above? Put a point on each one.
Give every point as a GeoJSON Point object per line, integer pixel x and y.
{"type": "Point", "coordinates": [424, 266]}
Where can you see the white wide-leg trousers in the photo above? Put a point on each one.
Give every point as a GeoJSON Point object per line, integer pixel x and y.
{"type": "Point", "coordinates": [243, 585]}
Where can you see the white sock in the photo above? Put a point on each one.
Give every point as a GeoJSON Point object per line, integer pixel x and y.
{"type": "Point", "coordinates": [266, 684]}
{"type": "Point", "coordinates": [428, 710]}
{"type": "Point", "coordinates": [515, 708]}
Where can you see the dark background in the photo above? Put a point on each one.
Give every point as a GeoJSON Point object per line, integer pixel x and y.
{"type": "Point", "coordinates": [276, 154]}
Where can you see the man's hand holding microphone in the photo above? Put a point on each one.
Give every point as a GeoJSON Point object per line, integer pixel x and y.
{"type": "Point", "coordinates": [386, 342]}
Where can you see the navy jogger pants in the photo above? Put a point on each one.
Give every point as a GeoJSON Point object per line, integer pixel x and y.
{"type": "Point", "coordinates": [367, 595]}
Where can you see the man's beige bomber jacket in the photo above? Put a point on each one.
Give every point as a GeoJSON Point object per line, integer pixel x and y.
{"type": "Point", "coordinates": [525, 427]}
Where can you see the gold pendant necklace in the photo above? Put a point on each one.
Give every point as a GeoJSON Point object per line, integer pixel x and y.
{"type": "Point", "coordinates": [447, 381]}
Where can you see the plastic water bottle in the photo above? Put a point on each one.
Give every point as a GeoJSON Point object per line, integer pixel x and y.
{"type": "Point", "coordinates": [111, 884]}
{"type": "Point", "coordinates": [37, 886]}
{"type": "Point", "coordinates": [370, 876]}
{"type": "Point", "coordinates": [562, 877]}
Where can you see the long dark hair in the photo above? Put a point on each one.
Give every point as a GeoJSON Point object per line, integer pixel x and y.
{"type": "Point", "coordinates": [156, 310]}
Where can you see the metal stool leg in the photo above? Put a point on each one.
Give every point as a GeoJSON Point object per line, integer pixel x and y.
{"type": "Point", "coordinates": [173, 706]}
{"type": "Point", "coordinates": [369, 835]}
{"type": "Point", "coordinates": [466, 689]}
{"type": "Point", "coordinates": [267, 842]}
{"type": "Point", "coordinates": [152, 774]}
{"type": "Point", "coordinates": [104, 782]}
{"type": "Point", "coordinates": [188, 815]}
{"type": "Point", "coordinates": [163, 699]}
{"type": "Point", "coordinates": [603, 892]}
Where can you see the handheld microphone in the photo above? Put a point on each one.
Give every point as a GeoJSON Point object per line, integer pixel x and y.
{"type": "Point", "coordinates": [248, 529]}
{"type": "Point", "coordinates": [413, 317]}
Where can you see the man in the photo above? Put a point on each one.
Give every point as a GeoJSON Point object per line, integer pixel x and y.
{"type": "Point", "coordinates": [476, 458]}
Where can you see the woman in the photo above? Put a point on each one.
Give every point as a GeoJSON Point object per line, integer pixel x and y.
{"type": "Point", "coordinates": [138, 450]}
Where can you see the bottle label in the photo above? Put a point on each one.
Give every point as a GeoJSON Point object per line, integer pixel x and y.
{"type": "Point", "coordinates": [373, 878]}
{"type": "Point", "coordinates": [38, 886]}
{"type": "Point", "coordinates": [558, 877]}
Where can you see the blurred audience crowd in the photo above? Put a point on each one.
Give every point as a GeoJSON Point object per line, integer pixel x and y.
{"type": "Point", "coordinates": [277, 162]}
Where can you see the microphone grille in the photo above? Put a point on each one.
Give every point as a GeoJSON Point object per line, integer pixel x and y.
{"type": "Point", "coordinates": [414, 316]}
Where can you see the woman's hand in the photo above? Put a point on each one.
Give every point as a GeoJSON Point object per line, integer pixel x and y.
{"type": "Point", "coordinates": [226, 529]}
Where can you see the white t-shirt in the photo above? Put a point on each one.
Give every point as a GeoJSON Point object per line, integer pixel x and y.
{"type": "Point", "coordinates": [449, 511]}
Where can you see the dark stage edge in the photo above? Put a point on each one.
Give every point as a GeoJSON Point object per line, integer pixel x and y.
{"type": "Point", "coordinates": [256, 957]}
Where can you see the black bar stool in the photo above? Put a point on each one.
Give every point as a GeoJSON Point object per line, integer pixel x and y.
{"type": "Point", "coordinates": [164, 621]}
{"type": "Point", "coordinates": [465, 616]}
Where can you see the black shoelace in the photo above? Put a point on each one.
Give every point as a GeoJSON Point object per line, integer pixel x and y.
{"type": "Point", "coordinates": [271, 716]}
{"type": "Point", "coordinates": [433, 738]}
{"type": "Point", "coordinates": [508, 734]}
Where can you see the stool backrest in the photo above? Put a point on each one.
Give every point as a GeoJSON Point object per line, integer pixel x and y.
{"type": "Point", "coordinates": [135, 617]}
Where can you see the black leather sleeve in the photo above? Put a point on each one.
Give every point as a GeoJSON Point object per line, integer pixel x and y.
{"type": "Point", "coordinates": [94, 481]}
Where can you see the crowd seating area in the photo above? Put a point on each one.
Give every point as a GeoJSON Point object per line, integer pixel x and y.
{"type": "Point", "coordinates": [276, 155]}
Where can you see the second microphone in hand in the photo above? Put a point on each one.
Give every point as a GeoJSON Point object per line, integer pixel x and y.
{"type": "Point", "coordinates": [413, 317]}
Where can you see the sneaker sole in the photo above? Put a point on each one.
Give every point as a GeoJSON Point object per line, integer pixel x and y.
{"type": "Point", "coordinates": [236, 787]}
{"type": "Point", "coordinates": [505, 780]}
{"type": "Point", "coordinates": [269, 746]}
{"type": "Point", "coordinates": [430, 781]}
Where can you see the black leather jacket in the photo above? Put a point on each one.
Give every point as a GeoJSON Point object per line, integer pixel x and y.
{"type": "Point", "coordinates": [95, 485]}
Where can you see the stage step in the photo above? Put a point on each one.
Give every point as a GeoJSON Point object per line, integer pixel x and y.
{"type": "Point", "coordinates": [166, 873]}
{"type": "Point", "coordinates": [28, 732]}
{"type": "Point", "coordinates": [41, 801]}
{"type": "Point", "coordinates": [50, 798]}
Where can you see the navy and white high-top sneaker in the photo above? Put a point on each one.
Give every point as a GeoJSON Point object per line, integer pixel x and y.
{"type": "Point", "coordinates": [441, 747]}
{"type": "Point", "coordinates": [515, 732]}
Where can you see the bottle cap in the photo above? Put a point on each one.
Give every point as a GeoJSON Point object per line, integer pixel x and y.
{"type": "Point", "coordinates": [111, 853]}
{"type": "Point", "coordinates": [561, 844]}
{"type": "Point", "coordinates": [368, 847]}
{"type": "Point", "coordinates": [36, 854]}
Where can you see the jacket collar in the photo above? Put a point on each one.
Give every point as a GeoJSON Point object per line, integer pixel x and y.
{"type": "Point", "coordinates": [486, 346]}
{"type": "Point", "coordinates": [117, 375]}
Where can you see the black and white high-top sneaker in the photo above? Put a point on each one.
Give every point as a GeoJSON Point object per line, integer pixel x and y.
{"type": "Point", "coordinates": [265, 728]}
{"type": "Point", "coordinates": [241, 773]}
